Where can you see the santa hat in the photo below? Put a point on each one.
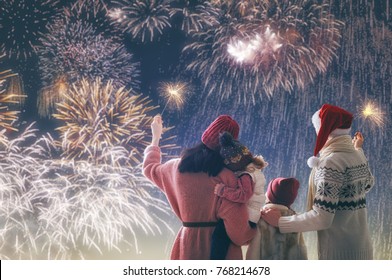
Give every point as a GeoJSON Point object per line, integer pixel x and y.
{"type": "Point", "coordinates": [282, 191]}
{"type": "Point", "coordinates": [223, 123]}
{"type": "Point", "coordinates": [235, 155]}
{"type": "Point", "coordinates": [329, 120]}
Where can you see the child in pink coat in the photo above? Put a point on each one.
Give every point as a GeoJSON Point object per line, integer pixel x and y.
{"type": "Point", "coordinates": [188, 183]}
{"type": "Point", "coordinates": [239, 159]}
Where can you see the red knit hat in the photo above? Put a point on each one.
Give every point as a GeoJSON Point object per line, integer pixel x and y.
{"type": "Point", "coordinates": [282, 191]}
{"type": "Point", "coordinates": [210, 136]}
{"type": "Point", "coordinates": [329, 120]}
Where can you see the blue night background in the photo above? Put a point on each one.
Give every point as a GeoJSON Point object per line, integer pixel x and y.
{"type": "Point", "coordinates": [81, 80]}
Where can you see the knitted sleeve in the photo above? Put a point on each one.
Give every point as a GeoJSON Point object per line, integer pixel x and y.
{"type": "Point", "coordinates": [313, 220]}
{"type": "Point", "coordinates": [369, 176]}
{"type": "Point", "coordinates": [370, 181]}
{"type": "Point", "coordinates": [153, 169]}
{"type": "Point", "coordinates": [241, 193]}
{"type": "Point", "coordinates": [328, 183]}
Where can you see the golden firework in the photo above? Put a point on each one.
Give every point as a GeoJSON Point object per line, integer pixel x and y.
{"type": "Point", "coordinates": [8, 97]}
{"type": "Point", "coordinates": [51, 95]}
{"type": "Point", "coordinates": [99, 117]}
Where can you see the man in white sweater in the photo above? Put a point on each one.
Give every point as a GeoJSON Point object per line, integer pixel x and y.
{"type": "Point", "coordinates": [338, 184]}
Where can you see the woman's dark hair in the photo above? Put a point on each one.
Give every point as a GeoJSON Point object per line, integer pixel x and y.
{"type": "Point", "coordinates": [201, 159]}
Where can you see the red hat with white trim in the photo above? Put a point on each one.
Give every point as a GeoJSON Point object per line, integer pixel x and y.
{"type": "Point", "coordinates": [329, 120]}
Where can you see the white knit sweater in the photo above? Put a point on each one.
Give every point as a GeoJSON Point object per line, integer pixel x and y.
{"type": "Point", "coordinates": [339, 211]}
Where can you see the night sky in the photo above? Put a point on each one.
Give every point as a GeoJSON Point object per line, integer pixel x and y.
{"type": "Point", "coordinates": [274, 119]}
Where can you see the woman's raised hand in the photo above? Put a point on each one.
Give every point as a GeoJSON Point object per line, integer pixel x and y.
{"type": "Point", "coordinates": [156, 130]}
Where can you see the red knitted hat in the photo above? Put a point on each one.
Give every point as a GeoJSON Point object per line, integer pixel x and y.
{"type": "Point", "coordinates": [210, 136]}
{"type": "Point", "coordinates": [282, 191]}
{"type": "Point", "coordinates": [329, 120]}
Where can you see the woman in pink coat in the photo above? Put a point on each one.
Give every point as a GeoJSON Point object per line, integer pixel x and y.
{"type": "Point", "coordinates": [189, 182]}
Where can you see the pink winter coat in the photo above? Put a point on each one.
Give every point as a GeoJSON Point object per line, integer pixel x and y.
{"type": "Point", "coordinates": [192, 198]}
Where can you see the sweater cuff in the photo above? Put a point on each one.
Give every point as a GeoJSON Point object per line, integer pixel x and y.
{"type": "Point", "coordinates": [284, 225]}
{"type": "Point", "coordinates": [152, 148]}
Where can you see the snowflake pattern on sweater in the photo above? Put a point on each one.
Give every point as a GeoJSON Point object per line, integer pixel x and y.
{"type": "Point", "coordinates": [342, 190]}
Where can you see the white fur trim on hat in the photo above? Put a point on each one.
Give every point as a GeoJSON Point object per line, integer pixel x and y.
{"type": "Point", "coordinates": [316, 121]}
{"type": "Point", "coordinates": [313, 161]}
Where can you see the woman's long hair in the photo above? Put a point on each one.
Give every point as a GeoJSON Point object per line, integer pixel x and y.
{"type": "Point", "coordinates": [201, 159]}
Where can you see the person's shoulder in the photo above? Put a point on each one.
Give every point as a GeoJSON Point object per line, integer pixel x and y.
{"type": "Point", "coordinates": [171, 163]}
{"type": "Point", "coordinates": [334, 161]}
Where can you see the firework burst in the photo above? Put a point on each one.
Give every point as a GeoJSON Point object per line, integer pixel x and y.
{"type": "Point", "coordinates": [7, 118]}
{"type": "Point", "coordinates": [74, 50]}
{"type": "Point", "coordinates": [196, 15]}
{"type": "Point", "coordinates": [8, 96]}
{"type": "Point", "coordinates": [142, 19]}
{"type": "Point", "coordinates": [94, 13]}
{"type": "Point", "coordinates": [98, 116]}
{"type": "Point", "coordinates": [262, 46]}
{"type": "Point", "coordinates": [21, 22]}
{"type": "Point", "coordinates": [97, 208]}
{"type": "Point", "coordinates": [266, 44]}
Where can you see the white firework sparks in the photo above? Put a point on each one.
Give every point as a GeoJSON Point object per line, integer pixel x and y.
{"type": "Point", "coordinates": [258, 45]}
{"type": "Point", "coordinates": [142, 19]}
{"type": "Point", "coordinates": [59, 209]}
{"type": "Point", "coordinates": [196, 15]}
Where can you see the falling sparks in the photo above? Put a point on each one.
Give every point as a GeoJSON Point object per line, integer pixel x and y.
{"type": "Point", "coordinates": [174, 94]}
{"type": "Point", "coordinates": [55, 208]}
